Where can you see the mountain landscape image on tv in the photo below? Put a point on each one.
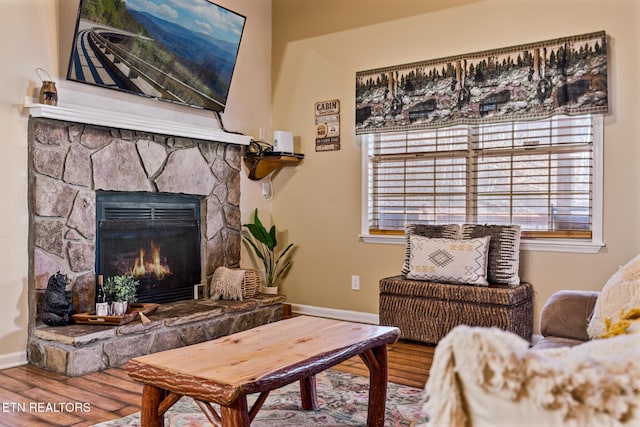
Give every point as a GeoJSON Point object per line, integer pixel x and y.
{"type": "Point", "coordinates": [182, 51]}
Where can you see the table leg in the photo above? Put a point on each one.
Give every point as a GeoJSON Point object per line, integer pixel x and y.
{"type": "Point", "coordinates": [151, 398]}
{"type": "Point", "coordinates": [236, 414]}
{"type": "Point", "coordinates": [377, 385]}
{"type": "Point", "coordinates": [308, 394]}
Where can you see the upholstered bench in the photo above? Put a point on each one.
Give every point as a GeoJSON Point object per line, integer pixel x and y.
{"type": "Point", "coordinates": [426, 311]}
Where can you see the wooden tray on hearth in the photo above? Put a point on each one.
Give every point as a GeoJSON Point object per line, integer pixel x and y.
{"type": "Point", "coordinates": [132, 313]}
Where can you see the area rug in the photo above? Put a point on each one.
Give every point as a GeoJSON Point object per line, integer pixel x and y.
{"type": "Point", "coordinates": [342, 401]}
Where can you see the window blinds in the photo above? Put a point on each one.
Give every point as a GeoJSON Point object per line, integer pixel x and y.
{"type": "Point", "coordinates": [537, 174]}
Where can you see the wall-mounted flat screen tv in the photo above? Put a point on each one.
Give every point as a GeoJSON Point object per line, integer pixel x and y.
{"type": "Point", "coordinates": [183, 51]}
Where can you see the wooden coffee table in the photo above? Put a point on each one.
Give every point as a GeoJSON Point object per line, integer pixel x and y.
{"type": "Point", "coordinates": [226, 370]}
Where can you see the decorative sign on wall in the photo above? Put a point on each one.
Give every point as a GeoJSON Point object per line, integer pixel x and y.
{"type": "Point", "coordinates": [532, 81]}
{"type": "Point", "coordinates": [328, 125]}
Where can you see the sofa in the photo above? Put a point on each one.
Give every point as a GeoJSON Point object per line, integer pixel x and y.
{"type": "Point", "coordinates": [491, 377]}
{"type": "Point", "coordinates": [583, 372]}
{"type": "Point", "coordinates": [487, 377]}
{"type": "Point", "coordinates": [564, 318]}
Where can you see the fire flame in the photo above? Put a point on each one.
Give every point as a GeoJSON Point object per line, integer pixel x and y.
{"type": "Point", "coordinates": [153, 267]}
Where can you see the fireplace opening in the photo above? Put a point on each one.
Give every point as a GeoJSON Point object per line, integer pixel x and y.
{"type": "Point", "coordinates": [154, 237]}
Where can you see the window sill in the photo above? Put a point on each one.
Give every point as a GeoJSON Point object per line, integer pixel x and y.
{"type": "Point", "coordinates": [547, 245]}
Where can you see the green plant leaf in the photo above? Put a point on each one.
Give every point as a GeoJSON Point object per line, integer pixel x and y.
{"type": "Point", "coordinates": [291, 245]}
{"type": "Point", "coordinates": [121, 288]}
{"type": "Point", "coordinates": [282, 270]}
{"type": "Point", "coordinates": [259, 232]}
{"type": "Point", "coordinates": [272, 236]}
{"type": "Point", "coordinates": [264, 244]}
{"type": "Point", "coordinates": [255, 248]}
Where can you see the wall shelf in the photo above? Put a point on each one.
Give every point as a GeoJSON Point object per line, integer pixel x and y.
{"type": "Point", "coordinates": [261, 166]}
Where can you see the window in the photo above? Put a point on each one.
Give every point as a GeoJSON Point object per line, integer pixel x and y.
{"type": "Point", "coordinates": [544, 175]}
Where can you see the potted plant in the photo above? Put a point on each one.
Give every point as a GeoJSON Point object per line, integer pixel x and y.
{"type": "Point", "coordinates": [121, 290]}
{"type": "Point", "coordinates": [264, 245]}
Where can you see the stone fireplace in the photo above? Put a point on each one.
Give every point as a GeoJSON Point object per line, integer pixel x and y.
{"type": "Point", "coordinates": [94, 190]}
{"type": "Point", "coordinates": [70, 162]}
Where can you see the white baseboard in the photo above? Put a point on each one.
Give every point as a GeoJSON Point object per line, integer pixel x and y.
{"type": "Point", "coordinates": [11, 360]}
{"type": "Point", "coordinates": [332, 313]}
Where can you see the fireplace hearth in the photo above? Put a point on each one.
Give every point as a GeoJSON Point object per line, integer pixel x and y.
{"type": "Point", "coordinates": [154, 237]}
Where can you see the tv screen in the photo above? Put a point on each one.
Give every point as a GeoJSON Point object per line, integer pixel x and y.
{"type": "Point", "coordinates": [182, 51]}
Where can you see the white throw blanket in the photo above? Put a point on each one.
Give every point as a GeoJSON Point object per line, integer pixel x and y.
{"type": "Point", "coordinates": [227, 284]}
{"type": "Point", "coordinates": [596, 380]}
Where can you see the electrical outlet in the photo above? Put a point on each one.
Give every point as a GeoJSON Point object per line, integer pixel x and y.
{"type": "Point", "coordinates": [355, 283]}
{"type": "Point", "coordinates": [266, 189]}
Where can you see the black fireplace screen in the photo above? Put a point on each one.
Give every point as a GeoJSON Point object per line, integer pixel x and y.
{"type": "Point", "coordinates": [154, 237]}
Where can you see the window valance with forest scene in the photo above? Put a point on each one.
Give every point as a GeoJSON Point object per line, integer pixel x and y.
{"type": "Point", "coordinates": [562, 76]}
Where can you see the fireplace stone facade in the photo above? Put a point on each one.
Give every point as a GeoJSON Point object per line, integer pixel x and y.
{"type": "Point", "coordinates": [68, 162]}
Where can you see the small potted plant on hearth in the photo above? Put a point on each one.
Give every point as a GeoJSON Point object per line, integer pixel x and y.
{"type": "Point", "coordinates": [121, 290]}
{"type": "Point", "coordinates": [264, 244]}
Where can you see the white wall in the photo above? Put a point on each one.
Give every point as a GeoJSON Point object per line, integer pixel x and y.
{"type": "Point", "coordinates": [38, 33]}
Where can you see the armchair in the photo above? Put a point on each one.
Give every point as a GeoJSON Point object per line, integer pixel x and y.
{"type": "Point", "coordinates": [484, 377]}
{"type": "Point", "coordinates": [564, 318]}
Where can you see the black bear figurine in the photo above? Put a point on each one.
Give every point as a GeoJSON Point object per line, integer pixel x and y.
{"type": "Point", "coordinates": [57, 308]}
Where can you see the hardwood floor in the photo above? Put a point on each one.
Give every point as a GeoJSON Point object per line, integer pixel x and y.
{"type": "Point", "coordinates": [34, 397]}
{"type": "Point", "coordinates": [45, 397]}
{"type": "Point", "coordinates": [409, 363]}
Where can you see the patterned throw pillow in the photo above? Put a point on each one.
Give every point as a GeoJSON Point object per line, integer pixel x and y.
{"type": "Point", "coordinates": [504, 251]}
{"type": "Point", "coordinates": [445, 231]}
{"type": "Point", "coordinates": [449, 260]}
